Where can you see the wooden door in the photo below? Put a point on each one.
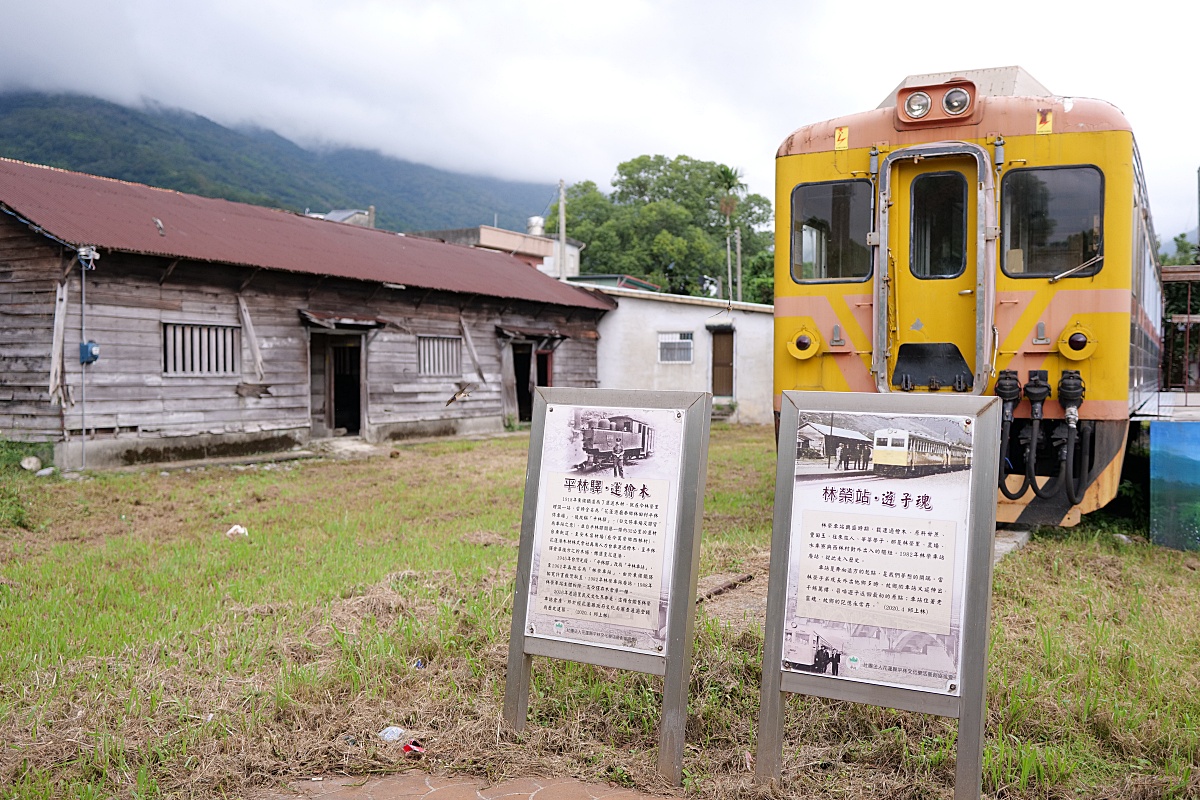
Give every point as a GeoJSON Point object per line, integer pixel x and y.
{"type": "Point", "coordinates": [722, 363]}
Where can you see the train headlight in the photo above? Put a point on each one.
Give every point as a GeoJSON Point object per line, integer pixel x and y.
{"type": "Point", "coordinates": [1077, 342]}
{"type": "Point", "coordinates": [804, 343]}
{"type": "Point", "coordinates": [917, 105]}
{"type": "Point", "coordinates": [956, 101]}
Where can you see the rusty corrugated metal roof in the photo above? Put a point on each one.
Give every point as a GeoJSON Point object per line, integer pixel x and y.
{"type": "Point", "coordinates": [108, 214]}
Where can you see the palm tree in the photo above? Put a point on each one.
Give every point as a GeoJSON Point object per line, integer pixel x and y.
{"type": "Point", "coordinates": [729, 181]}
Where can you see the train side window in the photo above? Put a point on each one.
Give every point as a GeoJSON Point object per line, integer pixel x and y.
{"type": "Point", "coordinates": [939, 225]}
{"type": "Point", "coordinates": [1052, 220]}
{"type": "Point", "coordinates": [830, 223]}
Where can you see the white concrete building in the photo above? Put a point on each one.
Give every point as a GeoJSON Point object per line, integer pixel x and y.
{"type": "Point", "coordinates": [533, 247]}
{"type": "Point", "coordinates": [667, 341]}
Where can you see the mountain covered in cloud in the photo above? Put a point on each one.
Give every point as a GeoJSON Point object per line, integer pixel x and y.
{"type": "Point", "coordinates": [176, 149]}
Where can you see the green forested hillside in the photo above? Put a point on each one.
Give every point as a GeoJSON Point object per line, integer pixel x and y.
{"type": "Point", "coordinates": [179, 150]}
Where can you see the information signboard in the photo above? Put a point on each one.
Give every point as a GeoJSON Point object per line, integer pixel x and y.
{"type": "Point", "coordinates": [610, 542]}
{"type": "Point", "coordinates": [881, 559]}
{"type": "Point", "coordinates": [877, 564]}
{"type": "Point", "coordinates": [605, 527]}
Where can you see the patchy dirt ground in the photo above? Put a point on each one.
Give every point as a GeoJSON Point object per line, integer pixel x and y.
{"type": "Point", "coordinates": [738, 598]}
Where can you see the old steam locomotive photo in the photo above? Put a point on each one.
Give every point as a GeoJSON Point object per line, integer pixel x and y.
{"type": "Point", "coordinates": [617, 436]}
{"type": "Point", "coordinates": [978, 233]}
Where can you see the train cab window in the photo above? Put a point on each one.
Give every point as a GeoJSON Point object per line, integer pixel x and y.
{"type": "Point", "coordinates": [1052, 220]}
{"type": "Point", "coordinates": [830, 223]}
{"type": "Point", "coordinates": [939, 225]}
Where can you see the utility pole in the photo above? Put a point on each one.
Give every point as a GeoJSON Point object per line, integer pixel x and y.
{"type": "Point", "coordinates": [728, 267]}
{"type": "Point", "coordinates": [562, 230]}
{"type": "Point", "coordinates": [737, 235]}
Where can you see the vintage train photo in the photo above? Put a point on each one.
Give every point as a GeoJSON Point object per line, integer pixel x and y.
{"type": "Point", "coordinates": [617, 437]}
{"type": "Point", "coordinates": [978, 233]}
{"type": "Point", "coordinates": [900, 453]}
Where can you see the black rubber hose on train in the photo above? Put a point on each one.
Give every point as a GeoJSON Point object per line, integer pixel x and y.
{"type": "Point", "coordinates": [1005, 431]}
{"type": "Point", "coordinates": [1069, 466]}
{"type": "Point", "coordinates": [1053, 486]}
{"type": "Point", "coordinates": [1008, 389]}
{"type": "Point", "coordinates": [1076, 486]}
{"type": "Point", "coordinates": [1071, 391]}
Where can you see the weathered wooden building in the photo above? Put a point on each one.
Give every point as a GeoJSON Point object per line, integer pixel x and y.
{"type": "Point", "coordinates": [225, 328]}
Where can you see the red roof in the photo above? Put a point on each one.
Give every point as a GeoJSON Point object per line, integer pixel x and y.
{"type": "Point", "coordinates": [108, 214]}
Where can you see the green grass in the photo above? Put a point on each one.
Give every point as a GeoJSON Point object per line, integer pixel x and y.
{"type": "Point", "coordinates": [145, 654]}
{"type": "Point", "coordinates": [15, 483]}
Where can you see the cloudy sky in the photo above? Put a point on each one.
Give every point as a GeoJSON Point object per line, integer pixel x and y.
{"type": "Point", "coordinates": [540, 90]}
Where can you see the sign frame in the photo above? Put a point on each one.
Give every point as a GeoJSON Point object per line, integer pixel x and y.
{"type": "Point", "coordinates": [694, 410]}
{"type": "Point", "coordinates": [969, 706]}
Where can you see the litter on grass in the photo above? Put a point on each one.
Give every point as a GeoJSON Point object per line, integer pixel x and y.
{"type": "Point", "coordinates": [391, 733]}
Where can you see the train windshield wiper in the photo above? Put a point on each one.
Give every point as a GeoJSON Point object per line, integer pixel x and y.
{"type": "Point", "coordinates": [1073, 270]}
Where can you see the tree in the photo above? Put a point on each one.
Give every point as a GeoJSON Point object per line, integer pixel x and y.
{"type": "Point", "coordinates": [1176, 297]}
{"type": "Point", "coordinates": [666, 221]}
{"type": "Point", "coordinates": [729, 181]}
{"type": "Point", "coordinates": [1185, 252]}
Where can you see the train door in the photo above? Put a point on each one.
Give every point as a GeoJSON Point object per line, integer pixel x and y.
{"type": "Point", "coordinates": [938, 282]}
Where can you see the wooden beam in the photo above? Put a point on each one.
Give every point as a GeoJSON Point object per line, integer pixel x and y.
{"type": "Point", "coordinates": [167, 272]}
{"type": "Point", "coordinates": [462, 323]}
{"type": "Point", "coordinates": [251, 338]}
{"type": "Point", "coordinates": [1181, 273]}
{"type": "Point", "coordinates": [70, 266]}
{"type": "Point", "coordinates": [56, 347]}
{"type": "Point", "coordinates": [249, 278]}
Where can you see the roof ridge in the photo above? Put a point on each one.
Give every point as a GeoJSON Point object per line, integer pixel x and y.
{"type": "Point", "coordinates": [92, 176]}
{"type": "Point", "coordinates": [75, 208]}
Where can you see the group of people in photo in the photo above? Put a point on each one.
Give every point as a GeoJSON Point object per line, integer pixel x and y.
{"type": "Point", "coordinates": [853, 456]}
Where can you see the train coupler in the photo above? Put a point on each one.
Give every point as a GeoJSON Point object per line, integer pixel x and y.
{"type": "Point", "coordinates": [1037, 391]}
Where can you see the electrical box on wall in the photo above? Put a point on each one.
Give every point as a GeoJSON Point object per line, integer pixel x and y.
{"type": "Point", "coordinates": [88, 352]}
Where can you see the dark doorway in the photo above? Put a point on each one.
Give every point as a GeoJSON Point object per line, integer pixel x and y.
{"type": "Point", "coordinates": [347, 383]}
{"type": "Point", "coordinates": [521, 353]}
{"type": "Point", "coordinates": [336, 380]}
{"type": "Point", "coordinates": [523, 362]}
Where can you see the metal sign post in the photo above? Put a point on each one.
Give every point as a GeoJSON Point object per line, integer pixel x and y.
{"type": "Point", "coordinates": [610, 543]}
{"type": "Point", "coordinates": [881, 562]}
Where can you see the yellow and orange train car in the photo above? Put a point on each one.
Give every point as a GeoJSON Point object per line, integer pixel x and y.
{"type": "Point", "coordinates": [976, 233]}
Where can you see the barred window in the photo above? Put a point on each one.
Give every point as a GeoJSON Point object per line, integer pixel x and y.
{"type": "Point", "coordinates": [201, 349]}
{"type": "Point", "coordinates": [675, 348]}
{"type": "Point", "coordinates": [439, 355]}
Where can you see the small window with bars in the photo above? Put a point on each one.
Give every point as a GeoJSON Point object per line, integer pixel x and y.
{"type": "Point", "coordinates": [201, 349]}
{"type": "Point", "coordinates": [439, 356]}
{"type": "Point", "coordinates": [675, 348]}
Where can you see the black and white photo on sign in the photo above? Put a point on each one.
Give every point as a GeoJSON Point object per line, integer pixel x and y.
{"type": "Point", "coordinates": [605, 527]}
{"type": "Point", "coordinates": [877, 558]}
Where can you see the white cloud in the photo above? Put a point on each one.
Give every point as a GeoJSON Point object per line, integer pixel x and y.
{"type": "Point", "coordinates": [539, 90]}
